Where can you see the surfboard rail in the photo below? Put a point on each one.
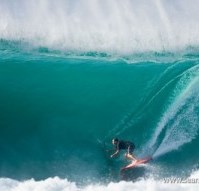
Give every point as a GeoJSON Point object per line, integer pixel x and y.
{"type": "Point", "coordinates": [137, 163]}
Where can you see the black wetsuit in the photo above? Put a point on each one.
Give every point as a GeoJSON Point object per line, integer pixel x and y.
{"type": "Point", "coordinates": [125, 145]}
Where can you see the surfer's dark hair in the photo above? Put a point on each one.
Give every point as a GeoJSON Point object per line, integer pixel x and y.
{"type": "Point", "coordinates": [116, 140]}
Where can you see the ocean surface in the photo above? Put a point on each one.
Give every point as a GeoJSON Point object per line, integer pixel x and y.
{"type": "Point", "coordinates": [75, 74]}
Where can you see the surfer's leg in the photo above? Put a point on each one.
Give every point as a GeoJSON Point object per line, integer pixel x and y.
{"type": "Point", "coordinates": [129, 154]}
{"type": "Point", "coordinates": [130, 157]}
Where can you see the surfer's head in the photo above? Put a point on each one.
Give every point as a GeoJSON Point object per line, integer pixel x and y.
{"type": "Point", "coordinates": [115, 141]}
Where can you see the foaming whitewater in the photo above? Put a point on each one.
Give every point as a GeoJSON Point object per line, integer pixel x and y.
{"type": "Point", "coordinates": [181, 118]}
{"type": "Point", "coordinates": [112, 26]}
{"type": "Point", "coordinates": [54, 184]}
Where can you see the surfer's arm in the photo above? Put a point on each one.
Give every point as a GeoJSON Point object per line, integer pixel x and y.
{"type": "Point", "coordinates": [114, 154]}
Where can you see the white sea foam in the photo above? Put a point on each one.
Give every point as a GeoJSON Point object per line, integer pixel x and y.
{"type": "Point", "coordinates": [113, 26]}
{"type": "Point", "coordinates": [180, 120]}
{"type": "Point", "coordinates": [58, 184]}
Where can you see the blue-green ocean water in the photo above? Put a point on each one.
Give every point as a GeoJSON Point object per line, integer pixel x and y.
{"type": "Point", "coordinates": [75, 74]}
{"type": "Point", "coordinates": [59, 114]}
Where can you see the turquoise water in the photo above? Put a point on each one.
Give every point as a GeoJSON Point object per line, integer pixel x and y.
{"type": "Point", "coordinates": [59, 114]}
{"type": "Point", "coordinates": [75, 74]}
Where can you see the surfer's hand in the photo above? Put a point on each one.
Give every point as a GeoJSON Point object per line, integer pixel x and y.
{"type": "Point", "coordinates": [112, 156]}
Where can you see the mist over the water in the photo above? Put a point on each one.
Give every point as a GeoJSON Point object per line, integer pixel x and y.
{"type": "Point", "coordinates": [113, 26]}
{"type": "Point", "coordinates": [181, 118]}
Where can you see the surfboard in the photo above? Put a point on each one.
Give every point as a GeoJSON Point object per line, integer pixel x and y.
{"type": "Point", "coordinates": [137, 163]}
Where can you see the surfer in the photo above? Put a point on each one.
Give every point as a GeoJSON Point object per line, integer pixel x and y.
{"type": "Point", "coordinates": [124, 145]}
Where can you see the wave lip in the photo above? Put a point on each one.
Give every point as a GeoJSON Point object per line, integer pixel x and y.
{"type": "Point", "coordinates": [105, 26]}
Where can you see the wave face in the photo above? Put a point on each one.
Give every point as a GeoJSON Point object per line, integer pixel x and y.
{"type": "Point", "coordinates": [113, 26]}
{"type": "Point", "coordinates": [59, 114]}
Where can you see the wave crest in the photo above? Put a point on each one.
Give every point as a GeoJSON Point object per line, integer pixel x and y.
{"type": "Point", "coordinates": [122, 27]}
